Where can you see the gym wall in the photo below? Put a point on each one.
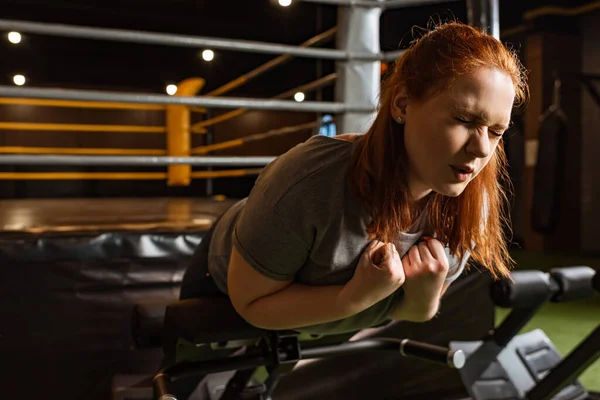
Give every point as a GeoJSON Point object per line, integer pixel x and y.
{"type": "Point", "coordinates": [553, 46]}
{"type": "Point", "coordinates": [590, 145]}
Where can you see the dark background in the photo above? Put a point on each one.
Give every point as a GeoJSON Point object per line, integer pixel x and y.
{"type": "Point", "coordinates": [546, 45]}
{"type": "Point", "coordinates": [65, 324]}
{"type": "Point", "coordinates": [64, 62]}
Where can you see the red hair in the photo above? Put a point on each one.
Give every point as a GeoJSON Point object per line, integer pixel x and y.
{"type": "Point", "coordinates": [378, 173]}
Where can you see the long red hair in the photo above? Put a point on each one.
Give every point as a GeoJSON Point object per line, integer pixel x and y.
{"type": "Point", "coordinates": [378, 173]}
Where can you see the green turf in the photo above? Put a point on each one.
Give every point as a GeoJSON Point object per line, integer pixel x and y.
{"type": "Point", "coordinates": [565, 324]}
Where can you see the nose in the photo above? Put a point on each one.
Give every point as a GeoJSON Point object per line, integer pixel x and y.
{"type": "Point", "coordinates": [479, 143]}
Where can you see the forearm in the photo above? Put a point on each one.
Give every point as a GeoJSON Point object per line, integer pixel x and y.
{"type": "Point", "coordinates": [298, 305]}
{"type": "Point", "coordinates": [405, 311]}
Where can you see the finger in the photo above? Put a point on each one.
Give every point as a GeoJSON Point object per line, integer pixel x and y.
{"type": "Point", "coordinates": [370, 250]}
{"type": "Point", "coordinates": [380, 256]}
{"type": "Point", "coordinates": [413, 254]}
{"type": "Point", "coordinates": [425, 253]}
{"type": "Point", "coordinates": [378, 252]}
{"type": "Point", "coordinates": [437, 249]}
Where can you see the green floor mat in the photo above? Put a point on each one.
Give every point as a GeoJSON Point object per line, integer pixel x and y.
{"type": "Point", "coordinates": [566, 325]}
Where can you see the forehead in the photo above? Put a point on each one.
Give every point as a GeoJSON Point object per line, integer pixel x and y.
{"type": "Point", "coordinates": [485, 91]}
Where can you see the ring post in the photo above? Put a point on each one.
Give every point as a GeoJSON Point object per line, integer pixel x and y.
{"type": "Point", "coordinates": [178, 133]}
{"type": "Point", "coordinates": [358, 80]}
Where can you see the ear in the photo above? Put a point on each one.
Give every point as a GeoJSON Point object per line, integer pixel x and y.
{"type": "Point", "coordinates": [400, 101]}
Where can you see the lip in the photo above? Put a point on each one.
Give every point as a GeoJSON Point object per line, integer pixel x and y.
{"type": "Point", "coordinates": [462, 173]}
{"type": "Point", "coordinates": [468, 169]}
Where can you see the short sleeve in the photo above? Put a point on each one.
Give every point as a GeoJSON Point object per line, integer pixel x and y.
{"type": "Point", "coordinates": [274, 239]}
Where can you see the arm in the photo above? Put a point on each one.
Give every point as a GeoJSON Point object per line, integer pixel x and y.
{"type": "Point", "coordinates": [278, 305]}
{"type": "Point", "coordinates": [402, 312]}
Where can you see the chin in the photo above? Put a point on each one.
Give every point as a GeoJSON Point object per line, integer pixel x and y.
{"type": "Point", "coordinates": [450, 190]}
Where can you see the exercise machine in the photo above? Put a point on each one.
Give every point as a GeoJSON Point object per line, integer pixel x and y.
{"type": "Point", "coordinates": [508, 365]}
{"type": "Point", "coordinates": [213, 335]}
{"type": "Point", "coordinates": [205, 336]}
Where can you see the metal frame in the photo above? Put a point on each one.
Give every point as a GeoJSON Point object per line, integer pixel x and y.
{"type": "Point", "coordinates": [202, 101]}
{"type": "Point", "coordinates": [351, 54]}
{"type": "Point", "coordinates": [148, 161]}
{"type": "Point", "coordinates": [484, 14]}
{"type": "Point", "coordinates": [169, 39]}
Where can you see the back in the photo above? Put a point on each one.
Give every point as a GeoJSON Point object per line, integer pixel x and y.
{"type": "Point", "coordinates": [300, 222]}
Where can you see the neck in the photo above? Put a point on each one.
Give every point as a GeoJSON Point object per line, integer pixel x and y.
{"type": "Point", "coordinates": [418, 190]}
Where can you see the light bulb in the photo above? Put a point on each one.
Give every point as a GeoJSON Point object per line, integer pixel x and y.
{"type": "Point", "coordinates": [14, 37]}
{"type": "Point", "coordinates": [19, 80]}
{"type": "Point", "coordinates": [171, 89]}
{"type": "Point", "coordinates": [208, 55]}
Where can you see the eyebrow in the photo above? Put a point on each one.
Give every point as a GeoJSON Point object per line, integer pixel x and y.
{"type": "Point", "coordinates": [482, 118]}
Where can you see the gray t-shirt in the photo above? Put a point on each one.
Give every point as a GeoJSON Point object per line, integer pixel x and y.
{"type": "Point", "coordinates": [301, 222]}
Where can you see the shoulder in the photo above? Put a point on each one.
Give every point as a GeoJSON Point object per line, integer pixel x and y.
{"type": "Point", "coordinates": [319, 161]}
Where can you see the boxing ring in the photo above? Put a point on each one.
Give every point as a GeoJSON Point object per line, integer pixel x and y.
{"type": "Point", "coordinates": [73, 269]}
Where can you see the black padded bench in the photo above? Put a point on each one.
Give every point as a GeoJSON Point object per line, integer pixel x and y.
{"type": "Point", "coordinates": [213, 338]}
{"type": "Point", "coordinates": [213, 331]}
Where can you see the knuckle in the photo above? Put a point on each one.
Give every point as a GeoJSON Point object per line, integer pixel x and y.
{"type": "Point", "coordinates": [430, 267]}
{"type": "Point", "coordinates": [444, 266]}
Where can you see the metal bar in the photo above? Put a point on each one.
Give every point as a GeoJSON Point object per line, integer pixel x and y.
{"type": "Point", "coordinates": [565, 373]}
{"type": "Point", "coordinates": [167, 39]}
{"type": "Point", "coordinates": [424, 351]}
{"type": "Point", "coordinates": [494, 18]}
{"type": "Point", "coordinates": [34, 126]}
{"type": "Point", "coordinates": [148, 161]}
{"type": "Point", "coordinates": [512, 324]}
{"type": "Point", "coordinates": [232, 102]}
{"type": "Point", "coordinates": [392, 55]}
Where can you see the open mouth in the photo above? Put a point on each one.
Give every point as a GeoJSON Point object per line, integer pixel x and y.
{"type": "Point", "coordinates": [462, 173]}
{"type": "Point", "coordinates": [464, 170]}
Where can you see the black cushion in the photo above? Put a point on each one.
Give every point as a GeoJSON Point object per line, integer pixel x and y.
{"type": "Point", "coordinates": [147, 323]}
{"type": "Point", "coordinates": [207, 320]}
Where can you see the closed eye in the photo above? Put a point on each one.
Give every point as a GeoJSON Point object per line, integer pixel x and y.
{"type": "Point", "coordinates": [467, 122]}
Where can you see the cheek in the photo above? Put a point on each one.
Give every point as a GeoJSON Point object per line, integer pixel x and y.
{"type": "Point", "coordinates": [448, 139]}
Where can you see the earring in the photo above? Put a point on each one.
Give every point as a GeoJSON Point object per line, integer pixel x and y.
{"type": "Point", "coordinates": [400, 120]}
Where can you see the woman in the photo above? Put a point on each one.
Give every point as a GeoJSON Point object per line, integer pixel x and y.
{"type": "Point", "coordinates": [341, 234]}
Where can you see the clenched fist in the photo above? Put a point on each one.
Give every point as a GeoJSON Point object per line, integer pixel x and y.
{"type": "Point", "coordinates": [379, 274]}
{"type": "Point", "coordinates": [425, 268]}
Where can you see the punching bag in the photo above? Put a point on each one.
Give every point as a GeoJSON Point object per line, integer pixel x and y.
{"type": "Point", "coordinates": [549, 171]}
